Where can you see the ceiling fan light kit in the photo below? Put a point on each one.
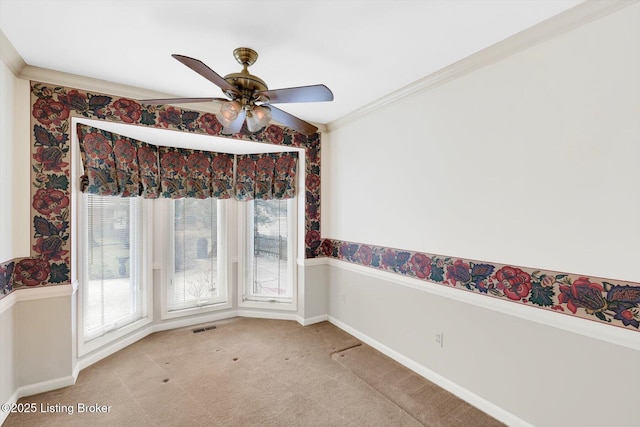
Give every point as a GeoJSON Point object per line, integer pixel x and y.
{"type": "Point", "coordinates": [230, 111]}
{"type": "Point", "coordinates": [250, 97]}
{"type": "Point", "coordinates": [258, 117]}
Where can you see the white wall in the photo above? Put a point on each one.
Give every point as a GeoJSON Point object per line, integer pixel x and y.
{"type": "Point", "coordinates": [532, 373]}
{"type": "Point", "coordinates": [43, 345]}
{"type": "Point", "coordinates": [14, 166]}
{"type": "Point", "coordinates": [14, 199]}
{"type": "Point", "coordinates": [313, 296]}
{"type": "Point", "coordinates": [530, 161]}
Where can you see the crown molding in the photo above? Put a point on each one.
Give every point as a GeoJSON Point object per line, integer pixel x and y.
{"type": "Point", "coordinates": [10, 56]}
{"type": "Point", "coordinates": [76, 81]}
{"type": "Point", "coordinates": [90, 84]}
{"type": "Point", "coordinates": [579, 15]}
{"type": "Point", "coordinates": [322, 128]}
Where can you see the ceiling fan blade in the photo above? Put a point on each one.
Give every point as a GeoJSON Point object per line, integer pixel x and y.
{"type": "Point", "coordinates": [161, 101]}
{"type": "Point", "coordinates": [206, 72]}
{"type": "Point", "coordinates": [235, 125]}
{"type": "Point", "coordinates": [315, 93]}
{"type": "Point", "coordinates": [292, 121]}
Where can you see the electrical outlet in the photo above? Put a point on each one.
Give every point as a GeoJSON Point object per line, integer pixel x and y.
{"type": "Point", "coordinates": [343, 298]}
{"type": "Point", "coordinates": [440, 339]}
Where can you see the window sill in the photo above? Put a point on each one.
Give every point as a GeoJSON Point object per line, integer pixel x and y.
{"type": "Point", "coordinates": [175, 314]}
{"type": "Point", "coordinates": [86, 347]}
{"type": "Point", "coordinates": [269, 305]}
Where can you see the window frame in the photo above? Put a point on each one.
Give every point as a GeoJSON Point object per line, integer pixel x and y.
{"type": "Point", "coordinates": [169, 263]}
{"type": "Point", "coordinates": [85, 344]}
{"type": "Point", "coordinates": [245, 258]}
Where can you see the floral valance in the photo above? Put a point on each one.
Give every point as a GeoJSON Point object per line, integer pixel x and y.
{"type": "Point", "coordinates": [266, 176]}
{"type": "Point", "coordinates": [195, 173]}
{"type": "Point", "coordinates": [116, 165]}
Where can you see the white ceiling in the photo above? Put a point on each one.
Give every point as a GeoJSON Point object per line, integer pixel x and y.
{"type": "Point", "coordinates": [362, 50]}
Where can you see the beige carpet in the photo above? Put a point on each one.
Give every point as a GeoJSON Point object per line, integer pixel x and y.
{"type": "Point", "coordinates": [250, 372]}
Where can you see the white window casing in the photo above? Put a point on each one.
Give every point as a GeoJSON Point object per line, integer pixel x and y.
{"type": "Point", "coordinates": [114, 293]}
{"type": "Point", "coordinates": [250, 295]}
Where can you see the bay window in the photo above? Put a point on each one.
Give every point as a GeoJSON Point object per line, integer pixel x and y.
{"type": "Point", "coordinates": [130, 188]}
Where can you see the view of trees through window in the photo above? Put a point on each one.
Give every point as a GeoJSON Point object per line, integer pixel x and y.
{"type": "Point", "coordinates": [195, 278]}
{"type": "Point", "coordinates": [271, 249]}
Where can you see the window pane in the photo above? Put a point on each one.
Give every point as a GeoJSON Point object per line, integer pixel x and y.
{"type": "Point", "coordinates": [270, 250]}
{"type": "Point", "coordinates": [195, 278]}
{"type": "Point", "coordinates": [111, 285]}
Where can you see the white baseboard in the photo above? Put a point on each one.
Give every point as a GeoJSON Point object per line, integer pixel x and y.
{"type": "Point", "coordinates": [45, 386]}
{"type": "Point", "coordinates": [464, 394]}
{"type": "Point", "coordinates": [97, 355]}
{"type": "Point", "coordinates": [176, 323]}
{"type": "Point", "coordinates": [266, 314]}
{"type": "Point", "coordinates": [13, 399]}
{"type": "Point", "coordinates": [312, 320]}
{"type": "Point", "coordinates": [37, 388]}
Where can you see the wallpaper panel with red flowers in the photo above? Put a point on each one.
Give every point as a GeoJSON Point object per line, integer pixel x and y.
{"type": "Point", "coordinates": [51, 113]}
{"type": "Point", "coordinates": [612, 302]}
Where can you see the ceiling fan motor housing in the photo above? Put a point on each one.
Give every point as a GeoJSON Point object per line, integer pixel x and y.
{"type": "Point", "coordinates": [247, 83]}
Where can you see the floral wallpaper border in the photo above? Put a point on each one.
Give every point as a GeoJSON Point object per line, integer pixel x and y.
{"type": "Point", "coordinates": [612, 302]}
{"type": "Point", "coordinates": [52, 108]}
{"type": "Point", "coordinates": [6, 276]}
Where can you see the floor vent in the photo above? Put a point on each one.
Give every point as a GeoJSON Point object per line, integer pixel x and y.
{"type": "Point", "coordinates": [205, 328]}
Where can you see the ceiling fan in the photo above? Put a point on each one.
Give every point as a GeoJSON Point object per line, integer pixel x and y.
{"type": "Point", "coordinates": [249, 96]}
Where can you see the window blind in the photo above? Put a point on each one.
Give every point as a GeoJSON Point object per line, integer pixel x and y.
{"type": "Point", "coordinates": [111, 289]}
